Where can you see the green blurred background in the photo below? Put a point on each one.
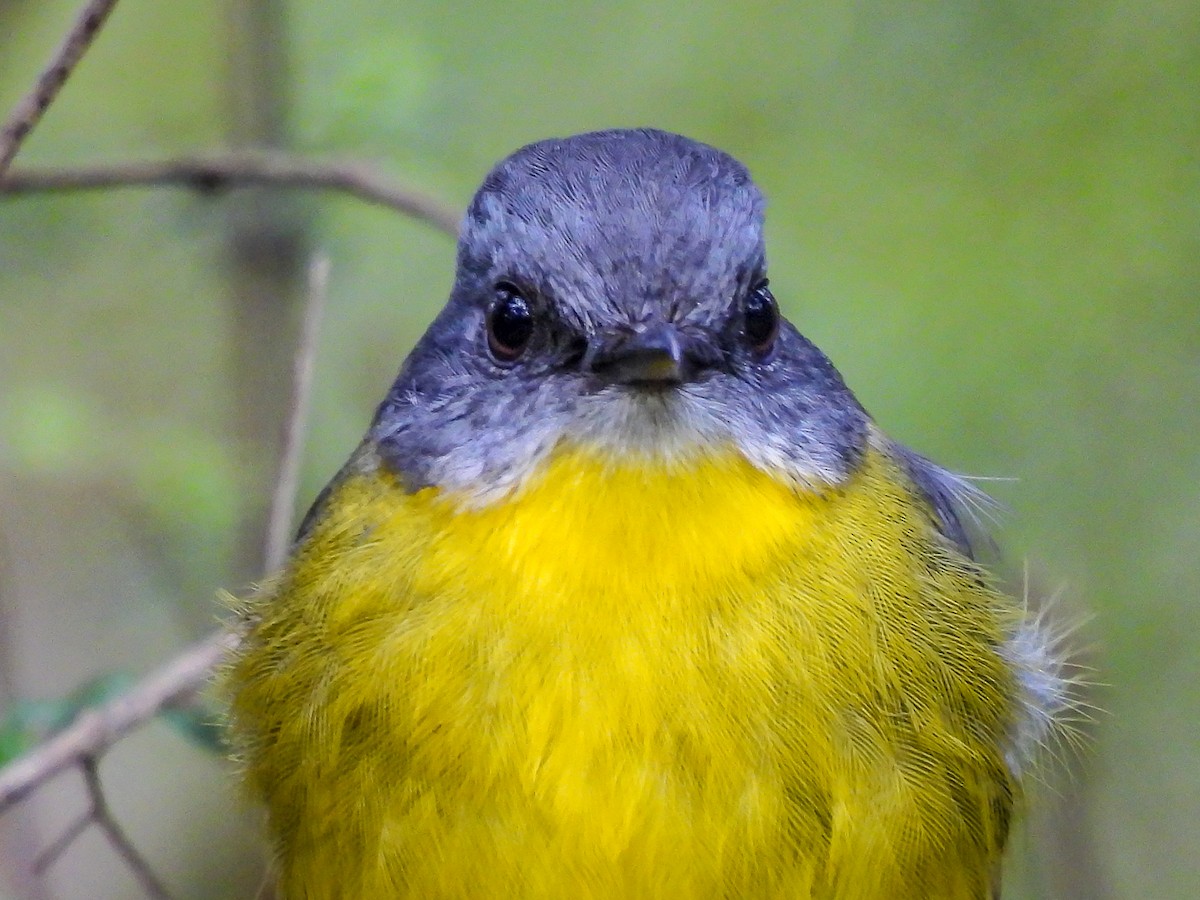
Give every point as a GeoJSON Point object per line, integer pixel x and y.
{"type": "Point", "coordinates": [986, 213]}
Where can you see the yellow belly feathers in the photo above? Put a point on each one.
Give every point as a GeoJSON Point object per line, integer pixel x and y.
{"type": "Point", "coordinates": [633, 681]}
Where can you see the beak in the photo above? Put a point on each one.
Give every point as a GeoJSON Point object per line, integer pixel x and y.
{"type": "Point", "coordinates": [653, 355]}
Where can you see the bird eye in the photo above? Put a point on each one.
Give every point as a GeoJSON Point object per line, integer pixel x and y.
{"type": "Point", "coordinates": [761, 316]}
{"type": "Point", "coordinates": [509, 324]}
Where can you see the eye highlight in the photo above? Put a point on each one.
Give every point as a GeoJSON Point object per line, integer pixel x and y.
{"type": "Point", "coordinates": [760, 317]}
{"type": "Point", "coordinates": [509, 324]}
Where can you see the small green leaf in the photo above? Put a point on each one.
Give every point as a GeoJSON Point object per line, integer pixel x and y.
{"type": "Point", "coordinates": [200, 725]}
{"type": "Point", "coordinates": [92, 693]}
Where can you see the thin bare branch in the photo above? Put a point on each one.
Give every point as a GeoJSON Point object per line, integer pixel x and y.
{"type": "Point", "coordinates": [99, 814]}
{"type": "Point", "coordinates": [62, 843]}
{"type": "Point", "coordinates": [95, 730]}
{"type": "Point", "coordinates": [287, 483]}
{"type": "Point", "coordinates": [220, 172]}
{"type": "Point", "coordinates": [28, 112]}
{"type": "Point", "coordinates": [104, 820]}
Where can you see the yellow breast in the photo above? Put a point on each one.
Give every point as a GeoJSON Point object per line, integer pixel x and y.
{"type": "Point", "coordinates": [631, 681]}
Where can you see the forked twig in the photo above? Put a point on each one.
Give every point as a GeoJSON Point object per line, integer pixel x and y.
{"type": "Point", "coordinates": [94, 731]}
{"type": "Point", "coordinates": [100, 815]}
{"type": "Point", "coordinates": [103, 818]}
{"type": "Point", "coordinates": [82, 743]}
{"type": "Point", "coordinates": [97, 729]}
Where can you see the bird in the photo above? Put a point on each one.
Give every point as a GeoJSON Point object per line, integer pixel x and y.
{"type": "Point", "coordinates": [625, 595]}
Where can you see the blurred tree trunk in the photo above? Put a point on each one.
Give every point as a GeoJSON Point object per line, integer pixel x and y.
{"type": "Point", "coordinates": [266, 249]}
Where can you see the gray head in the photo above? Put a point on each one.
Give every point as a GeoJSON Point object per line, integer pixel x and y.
{"type": "Point", "coordinates": [611, 293]}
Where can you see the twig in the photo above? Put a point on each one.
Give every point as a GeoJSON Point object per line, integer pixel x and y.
{"type": "Point", "coordinates": [215, 173]}
{"type": "Point", "coordinates": [54, 852]}
{"type": "Point", "coordinates": [104, 820]}
{"type": "Point", "coordinates": [95, 730]}
{"type": "Point", "coordinates": [28, 112]}
{"type": "Point", "coordinates": [287, 483]}
{"type": "Point", "coordinates": [99, 814]}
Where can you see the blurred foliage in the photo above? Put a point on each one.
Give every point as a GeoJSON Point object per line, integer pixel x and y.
{"type": "Point", "coordinates": [29, 721]}
{"type": "Point", "coordinates": [985, 212]}
{"type": "Point", "coordinates": [201, 725]}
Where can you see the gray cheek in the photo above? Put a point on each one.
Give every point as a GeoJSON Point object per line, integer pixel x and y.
{"type": "Point", "coordinates": [792, 430]}
{"type": "Point", "coordinates": [486, 441]}
{"type": "Point", "coordinates": [481, 437]}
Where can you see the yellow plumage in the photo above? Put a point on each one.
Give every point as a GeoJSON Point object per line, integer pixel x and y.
{"type": "Point", "coordinates": [631, 679]}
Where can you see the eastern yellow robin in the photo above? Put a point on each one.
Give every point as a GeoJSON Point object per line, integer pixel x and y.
{"type": "Point", "coordinates": [624, 595]}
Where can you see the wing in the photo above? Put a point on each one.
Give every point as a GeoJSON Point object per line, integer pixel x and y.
{"type": "Point", "coordinates": [958, 506]}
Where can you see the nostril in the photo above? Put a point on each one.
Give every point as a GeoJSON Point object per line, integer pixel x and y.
{"type": "Point", "coordinates": [575, 352]}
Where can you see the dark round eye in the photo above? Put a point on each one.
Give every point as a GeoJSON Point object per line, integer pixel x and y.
{"type": "Point", "coordinates": [761, 314]}
{"type": "Point", "coordinates": [509, 324]}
